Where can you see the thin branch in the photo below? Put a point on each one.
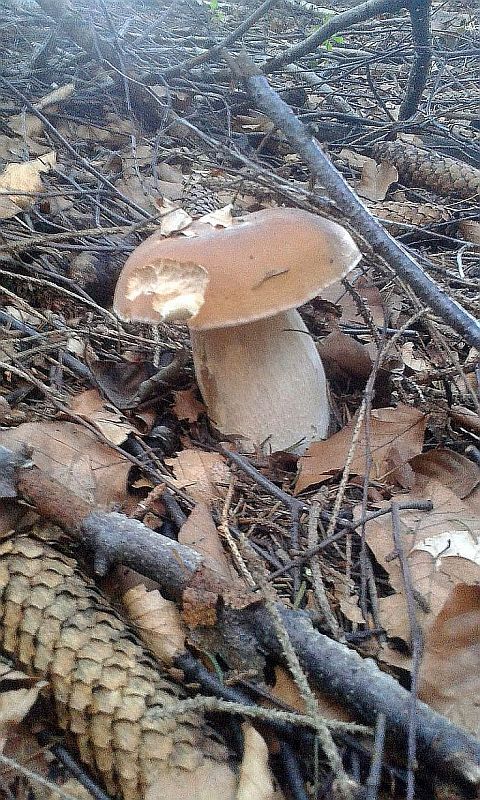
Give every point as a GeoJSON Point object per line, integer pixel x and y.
{"type": "Point", "coordinates": [419, 11]}
{"type": "Point", "coordinates": [337, 23]}
{"type": "Point", "coordinates": [214, 52]}
{"type": "Point", "coordinates": [355, 214]}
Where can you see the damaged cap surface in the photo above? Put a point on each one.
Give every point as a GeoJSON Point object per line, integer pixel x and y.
{"type": "Point", "coordinates": [267, 262]}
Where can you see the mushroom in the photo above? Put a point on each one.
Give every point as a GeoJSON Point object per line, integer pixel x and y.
{"type": "Point", "coordinates": [257, 366]}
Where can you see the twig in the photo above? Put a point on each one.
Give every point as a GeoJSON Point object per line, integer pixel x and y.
{"type": "Point", "coordinates": [70, 361]}
{"type": "Point", "coordinates": [78, 772]}
{"type": "Point", "coordinates": [417, 647]}
{"type": "Point", "coordinates": [419, 11]}
{"type": "Point", "coordinates": [317, 577]}
{"type": "Point", "coordinates": [215, 51]}
{"type": "Point", "coordinates": [355, 214]}
{"type": "Point", "coordinates": [294, 506]}
{"type": "Point", "coordinates": [373, 781]}
{"type": "Point", "coordinates": [339, 22]}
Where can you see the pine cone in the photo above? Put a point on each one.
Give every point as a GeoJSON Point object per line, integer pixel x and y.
{"type": "Point", "coordinates": [422, 215]}
{"type": "Point", "coordinates": [198, 200]}
{"type": "Point", "coordinates": [423, 168]}
{"type": "Point", "coordinates": [109, 692]}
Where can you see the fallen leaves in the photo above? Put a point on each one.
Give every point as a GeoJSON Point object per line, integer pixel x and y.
{"type": "Point", "coordinates": [19, 183]}
{"type": "Point", "coordinates": [453, 470]}
{"type": "Point", "coordinates": [449, 678]}
{"type": "Point", "coordinates": [200, 532]}
{"type": "Point", "coordinates": [376, 179]}
{"type": "Point", "coordinates": [158, 622]}
{"type": "Point", "coordinates": [442, 551]}
{"type": "Point", "coordinates": [255, 779]}
{"type": "Point", "coordinates": [112, 425]}
{"type": "Point", "coordinates": [73, 456]}
{"type": "Point", "coordinates": [389, 439]}
{"type": "Point", "coordinates": [19, 693]}
{"type": "Point", "coordinates": [204, 476]}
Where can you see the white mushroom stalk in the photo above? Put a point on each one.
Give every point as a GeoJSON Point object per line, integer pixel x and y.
{"type": "Point", "coordinates": [263, 383]}
{"type": "Point", "coordinates": [257, 366]}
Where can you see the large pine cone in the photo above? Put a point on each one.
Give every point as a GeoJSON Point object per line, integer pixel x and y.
{"type": "Point", "coordinates": [424, 168]}
{"type": "Point", "coordinates": [109, 692]}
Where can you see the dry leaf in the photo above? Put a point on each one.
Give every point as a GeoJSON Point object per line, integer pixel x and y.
{"type": "Point", "coordinates": [29, 124]}
{"type": "Point", "coordinates": [200, 533]}
{"type": "Point", "coordinates": [176, 220]}
{"type": "Point", "coordinates": [112, 425]}
{"type": "Point", "coordinates": [449, 678]}
{"type": "Point", "coordinates": [221, 218]}
{"type": "Point", "coordinates": [382, 309]}
{"type": "Point", "coordinates": [353, 159]}
{"type": "Point", "coordinates": [255, 779]}
{"type": "Point", "coordinates": [204, 476]}
{"type": "Point", "coordinates": [411, 360]}
{"type": "Point", "coordinates": [395, 435]}
{"type": "Point", "coordinates": [22, 178]}
{"type": "Point", "coordinates": [58, 95]}
{"type": "Point", "coordinates": [466, 418]}
{"type": "Point", "coordinates": [455, 471]}
{"type": "Point", "coordinates": [442, 550]}
{"type": "Point", "coordinates": [470, 229]}
{"type": "Point", "coordinates": [344, 357]}
{"type": "Point", "coordinates": [205, 781]}
{"type": "Point", "coordinates": [158, 622]}
{"type": "Point", "coordinates": [140, 191]}
{"type": "Point", "coordinates": [186, 406]}
{"type": "Point", "coordinates": [73, 456]}
{"type": "Point", "coordinates": [71, 788]}
{"type": "Point", "coordinates": [168, 172]}
{"type": "Point", "coordinates": [15, 703]}
{"type": "Point", "coordinates": [376, 179]}
{"type": "Point", "coordinates": [26, 125]}
{"type": "Point", "coordinates": [285, 689]}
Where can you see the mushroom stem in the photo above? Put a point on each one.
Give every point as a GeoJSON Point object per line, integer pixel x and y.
{"type": "Point", "coordinates": [263, 383]}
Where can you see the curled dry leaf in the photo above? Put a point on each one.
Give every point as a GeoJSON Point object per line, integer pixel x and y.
{"type": "Point", "coordinates": [204, 476]}
{"type": "Point", "coordinates": [453, 470]}
{"type": "Point", "coordinates": [24, 178]}
{"type": "Point", "coordinates": [394, 436]}
{"type": "Point", "coordinates": [255, 779]}
{"type": "Point", "coordinates": [158, 622]}
{"type": "Point", "coordinates": [112, 425]}
{"type": "Point", "coordinates": [73, 456]}
{"type": "Point", "coordinates": [413, 361]}
{"type": "Point", "coordinates": [449, 678]}
{"type": "Point", "coordinates": [343, 356]}
{"type": "Point", "coordinates": [200, 532]}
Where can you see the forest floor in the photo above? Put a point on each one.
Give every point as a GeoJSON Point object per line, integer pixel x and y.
{"type": "Point", "coordinates": [119, 119]}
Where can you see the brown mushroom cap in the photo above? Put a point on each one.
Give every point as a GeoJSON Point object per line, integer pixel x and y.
{"type": "Point", "coordinates": [267, 262]}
